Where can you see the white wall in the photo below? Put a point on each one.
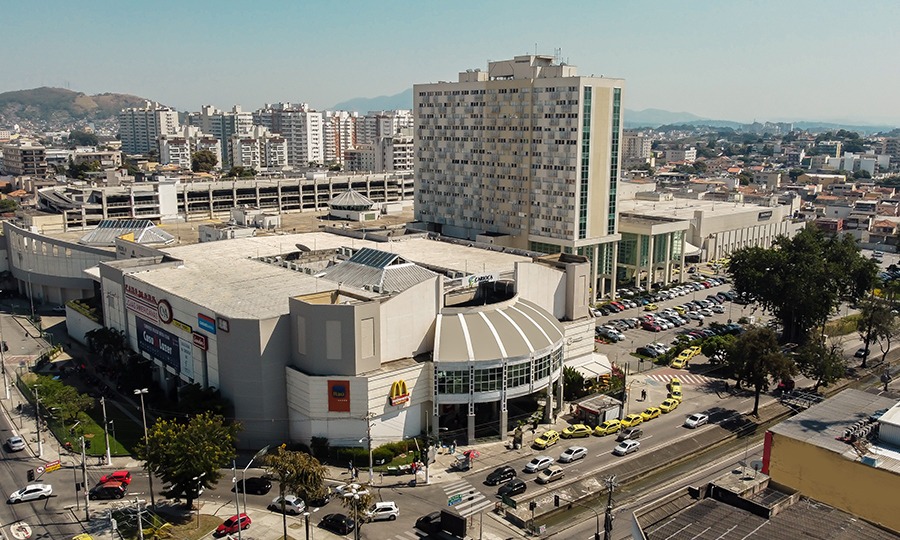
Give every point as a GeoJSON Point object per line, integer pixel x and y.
{"type": "Point", "coordinates": [407, 321]}
{"type": "Point", "coordinates": [543, 285]}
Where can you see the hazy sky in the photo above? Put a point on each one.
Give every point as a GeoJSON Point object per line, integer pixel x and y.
{"type": "Point", "coordinates": [722, 59]}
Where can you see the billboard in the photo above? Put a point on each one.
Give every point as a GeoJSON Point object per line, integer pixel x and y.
{"type": "Point", "coordinates": [338, 396]}
{"type": "Point", "coordinates": [158, 343]}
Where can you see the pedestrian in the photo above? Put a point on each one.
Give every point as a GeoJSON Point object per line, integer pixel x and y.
{"type": "Point", "coordinates": [350, 469]}
{"type": "Point", "coordinates": [355, 473]}
{"type": "Point", "coordinates": [643, 395]}
{"type": "Point", "coordinates": [381, 478]}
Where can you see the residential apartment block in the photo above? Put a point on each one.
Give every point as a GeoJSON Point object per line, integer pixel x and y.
{"type": "Point", "coordinates": [140, 128]}
{"type": "Point", "coordinates": [178, 149]}
{"type": "Point", "coordinates": [223, 125]}
{"type": "Point", "coordinates": [687, 155]}
{"type": "Point", "coordinates": [525, 154]}
{"type": "Point", "coordinates": [259, 149]}
{"type": "Point", "coordinates": [338, 134]}
{"type": "Point", "coordinates": [24, 158]}
{"type": "Point", "coordinates": [376, 125]}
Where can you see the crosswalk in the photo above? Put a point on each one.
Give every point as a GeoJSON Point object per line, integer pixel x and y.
{"type": "Point", "coordinates": [473, 501]}
{"type": "Point", "coordinates": [413, 534]}
{"type": "Point", "coordinates": [685, 378]}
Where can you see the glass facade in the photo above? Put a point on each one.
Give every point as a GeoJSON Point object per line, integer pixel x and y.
{"type": "Point", "coordinates": [585, 163]}
{"type": "Point", "coordinates": [614, 160]}
{"type": "Point", "coordinates": [490, 379]}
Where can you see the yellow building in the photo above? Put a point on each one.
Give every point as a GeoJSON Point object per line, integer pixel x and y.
{"type": "Point", "coordinates": [844, 452]}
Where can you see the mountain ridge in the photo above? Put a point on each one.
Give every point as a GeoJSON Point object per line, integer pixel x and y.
{"type": "Point", "coordinates": [59, 106]}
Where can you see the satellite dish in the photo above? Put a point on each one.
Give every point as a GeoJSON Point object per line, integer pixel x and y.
{"type": "Point", "coordinates": [301, 247]}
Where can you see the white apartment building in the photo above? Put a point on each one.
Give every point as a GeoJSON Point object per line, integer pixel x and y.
{"type": "Point", "coordinates": [360, 159]}
{"type": "Point", "coordinates": [396, 153]}
{"type": "Point", "coordinates": [140, 128]}
{"type": "Point", "coordinates": [338, 134]}
{"type": "Point", "coordinates": [24, 157]}
{"type": "Point", "coordinates": [377, 124]}
{"type": "Point", "coordinates": [637, 145]}
{"type": "Point", "coordinates": [259, 149]}
{"type": "Point", "coordinates": [223, 125]}
{"type": "Point", "coordinates": [687, 155]}
{"type": "Point", "coordinates": [524, 155]}
{"type": "Point", "coordinates": [178, 149]}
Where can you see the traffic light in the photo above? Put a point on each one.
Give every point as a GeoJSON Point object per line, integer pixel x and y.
{"type": "Point", "coordinates": [532, 505]}
{"type": "Point", "coordinates": [31, 475]}
{"type": "Point", "coordinates": [556, 501]}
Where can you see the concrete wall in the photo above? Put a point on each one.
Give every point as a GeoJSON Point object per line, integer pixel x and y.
{"type": "Point", "coordinates": [543, 285]}
{"type": "Point", "coordinates": [407, 321]}
{"type": "Point", "coordinates": [825, 476]}
{"type": "Point", "coordinates": [339, 339]}
{"type": "Point", "coordinates": [77, 325]}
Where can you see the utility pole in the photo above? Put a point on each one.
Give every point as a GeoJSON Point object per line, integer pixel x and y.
{"type": "Point", "coordinates": [611, 484]}
{"type": "Point", "coordinates": [3, 360]}
{"type": "Point", "coordinates": [87, 511]}
{"type": "Point", "coordinates": [37, 420]}
{"type": "Point", "coordinates": [106, 431]}
{"type": "Point", "coordinates": [137, 503]}
{"type": "Point", "coordinates": [237, 500]}
{"type": "Point", "coordinates": [369, 418]}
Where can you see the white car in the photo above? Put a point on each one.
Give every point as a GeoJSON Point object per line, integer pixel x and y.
{"type": "Point", "coordinates": [706, 312]}
{"type": "Point", "coordinates": [696, 420]}
{"type": "Point", "coordinates": [31, 492]}
{"type": "Point", "coordinates": [626, 447]}
{"type": "Point", "coordinates": [718, 309]}
{"type": "Point", "coordinates": [380, 511]}
{"type": "Point", "coordinates": [293, 505]}
{"type": "Point", "coordinates": [15, 444]}
{"type": "Point", "coordinates": [573, 453]}
{"type": "Point", "coordinates": [539, 463]}
{"type": "Point", "coordinates": [694, 315]}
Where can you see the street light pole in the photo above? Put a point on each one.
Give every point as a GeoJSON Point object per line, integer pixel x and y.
{"type": "Point", "coordinates": [106, 431]}
{"type": "Point", "coordinates": [369, 424]}
{"type": "Point", "coordinates": [37, 419]}
{"type": "Point", "coordinates": [258, 455]}
{"type": "Point", "coordinates": [140, 392]}
{"type": "Point", "coordinates": [31, 295]}
{"type": "Point", "coordinates": [237, 501]}
{"type": "Point", "coordinates": [3, 360]}
{"type": "Point", "coordinates": [87, 510]}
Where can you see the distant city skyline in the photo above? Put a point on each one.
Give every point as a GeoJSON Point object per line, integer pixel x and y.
{"type": "Point", "coordinates": [769, 61]}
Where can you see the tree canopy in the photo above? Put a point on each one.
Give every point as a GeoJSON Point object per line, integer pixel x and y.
{"type": "Point", "coordinates": [241, 172]}
{"type": "Point", "coordinates": [820, 362]}
{"type": "Point", "coordinates": [61, 399]}
{"type": "Point", "coordinates": [82, 138]}
{"type": "Point", "coordinates": [203, 161]}
{"type": "Point", "coordinates": [297, 473]}
{"type": "Point", "coordinates": [756, 357]}
{"type": "Point", "coordinates": [189, 453]}
{"type": "Point", "coordinates": [803, 279]}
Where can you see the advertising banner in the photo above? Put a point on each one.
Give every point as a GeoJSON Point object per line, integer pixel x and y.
{"type": "Point", "coordinates": [158, 343]}
{"type": "Point", "coordinates": [339, 396]}
{"type": "Point", "coordinates": [186, 350]}
{"type": "Point", "coordinates": [206, 322]}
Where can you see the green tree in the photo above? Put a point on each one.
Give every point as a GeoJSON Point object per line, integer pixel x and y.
{"type": "Point", "coordinates": [885, 334]}
{"type": "Point", "coordinates": [189, 454]}
{"type": "Point", "coordinates": [756, 358]}
{"type": "Point", "coordinates": [241, 172]}
{"type": "Point", "coordinates": [66, 400]}
{"type": "Point", "coordinates": [716, 348]}
{"type": "Point", "coordinates": [819, 362]}
{"type": "Point", "coordinates": [875, 320]}
{"type": "Point", "coordinates": [82, 138]}
{"type": "Point", "coordinates": [81, 170]}
{"type": "Point", "coordinates": [861, 174]}
{"type": "Point", "coordinates": [357, 504]}
{"type": "Point", "coordinates": [801, 280]}
{"type": "Point", "coordinates": [203, 161]}
{"type": "Point", "coordinates": [795, 174]}
{"type": "Point", "coordinates": [8, 205]}
{"type": "Point", "coordinates": [573, 384]}
{"type": "Point", "coordinates": [298, 473]}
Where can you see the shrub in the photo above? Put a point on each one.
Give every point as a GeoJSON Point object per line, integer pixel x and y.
{"type": "Point", "coordinates": [382, 454]}
{"type": "Point", "coordinates": [319, 447]}
{"type": "Point", "coordinates": [358, 456]}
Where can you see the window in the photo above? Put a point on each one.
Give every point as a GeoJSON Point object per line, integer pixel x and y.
{"type": "Point", "coordinates": [488, 380]}
{"type": "Point", "coordinates": [518, 375]}
{"type": "Point", "coordinates": [452, 382]}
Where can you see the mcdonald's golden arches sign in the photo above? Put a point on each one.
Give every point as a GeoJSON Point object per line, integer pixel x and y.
{"type": "Point", "coordinates": [399, 393]}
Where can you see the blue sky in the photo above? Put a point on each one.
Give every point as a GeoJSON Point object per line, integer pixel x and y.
{"type": "Point", "coordinates": [734, 60]}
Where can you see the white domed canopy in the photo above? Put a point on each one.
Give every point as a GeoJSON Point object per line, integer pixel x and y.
{"type": "Point", "coordinates": [512, 329]}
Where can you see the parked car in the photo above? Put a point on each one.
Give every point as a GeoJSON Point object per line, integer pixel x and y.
{"type": "Point", "coordinates": [550, 474]}
{"type": "Point", "coordinates": [15, 444]}
{"type": "Point", "coordinates": [860, 353]}
{"type": "Point", "coordinates": [118, 476]}
{"type": "Point", "coordinates": [547, 439]}
{"type": "Point", "coordinates": [608, 427]}
{"type": "Point", "coordinates": [108, 490]}
{"type": "Point", "coordinates": [576, 431]}
{"type": "Point", "coordinates": [338, 524]}
{"type": "Point", "coordinates": [293, 505]}
{"type": "Point", "coordinates": [500, 475]}
{"type": "Point", "coordinates": [626, 447]}
{"type": "Point", "coordinates": [538, 463]}
{"type": "Point", "coordinates": [647, 351]}
{"type": "Point", "coordinates": [383, 511]}
{"type": "Point", "coordinates": [429, 523]}
{"type": "Point", "coordinates": [513, 487]}
{"type": "Point", "coordinates": [255, 485]}
{"type": "Point", "coordinates": [233, 524]}
{"type": "Point", "coordinates": [630, 433]}
{"type": "Point", "coordinates": [632, 420]}
{"type": "Point", "coordinates": [650, 413]}
{"type": "Point", "coordinates": [696, 420]}
{"type": "Point", "coordinates": [31, 492]}
{"type": "Point", "coordinates": [573, 453]}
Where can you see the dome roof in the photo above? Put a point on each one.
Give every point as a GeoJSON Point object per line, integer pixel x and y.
{"type": "Point", "coordinates": [351, 199]}
{"type": "Point", "coordinates": [511, 329]}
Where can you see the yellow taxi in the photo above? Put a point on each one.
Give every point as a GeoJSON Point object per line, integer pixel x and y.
{"type": "Point", "coordinates": [680, 310]}
{"type": "Point", "coordinates": [547, 439]}
{"type": "Point", "coordinates": [651, 307]}
{"type": "Point", "coordinates": [650, 413]}
{"type": "Point", "coordinates": [632, 420]}
{"type": "Point", "coordinates": [695, 350]}
{"type": "Point", "coordinates": [682, 360]}
{"type": "Point", "coordinates": [577, 431]}
{"type": "Point", "coordinates": [608, 428]}
{"type": "Point", "coordinates": [675, 389]}
{"type": "Point", "coordinates": [669, 405]}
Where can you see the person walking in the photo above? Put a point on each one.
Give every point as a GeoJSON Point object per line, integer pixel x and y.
{"type": "Point", "coordinates": [644, 395]}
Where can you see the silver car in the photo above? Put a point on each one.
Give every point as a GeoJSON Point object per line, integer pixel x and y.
{"type": "Point", "coordinates": [573, 453]}
{"type": "Point", "coordinates": [15, 444]}
{"type": "Point", "coordinates": [626, 447]}
{"type": "Point", "coordinates": [696, 420]}
{"type": "Point", "coordinates": [539, 463]}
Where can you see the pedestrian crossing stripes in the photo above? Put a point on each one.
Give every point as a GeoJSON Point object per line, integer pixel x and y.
{"type": "Point", "coordinates": [685, 378]}
{"type": "Point", "coordinates": [414, 534]}
{"type": "Point", "coordinates": [473, 501]}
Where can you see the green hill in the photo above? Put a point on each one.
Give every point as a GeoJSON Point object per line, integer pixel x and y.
{"type": "Point", "coordinates": [59, 105]}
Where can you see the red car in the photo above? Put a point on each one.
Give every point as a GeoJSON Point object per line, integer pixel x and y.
{"type": "Point", "coordinates": [232, 524]}
{"type": "Point", "coordinates": [118, 476]}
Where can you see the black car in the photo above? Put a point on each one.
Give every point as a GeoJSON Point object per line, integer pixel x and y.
{"type": "Point", "coordinates": [513, 487]}
{"type": "Point", "coordinates": [429, 523]}
{"type": "Point", "coordinates": [323, 500]}
{"type": "Point", "coordinates": [647, 351]}
{"type": "Point", "coordinates": [630, 433]}
{"type": "Point", "coordinates": [255, 486]}
{"type": "Point", "coordinates": [500, 475]}
{"type": "Point", "coordinates": [109, 490]}
{"type": "Point", "coordinates": [337, 523]}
